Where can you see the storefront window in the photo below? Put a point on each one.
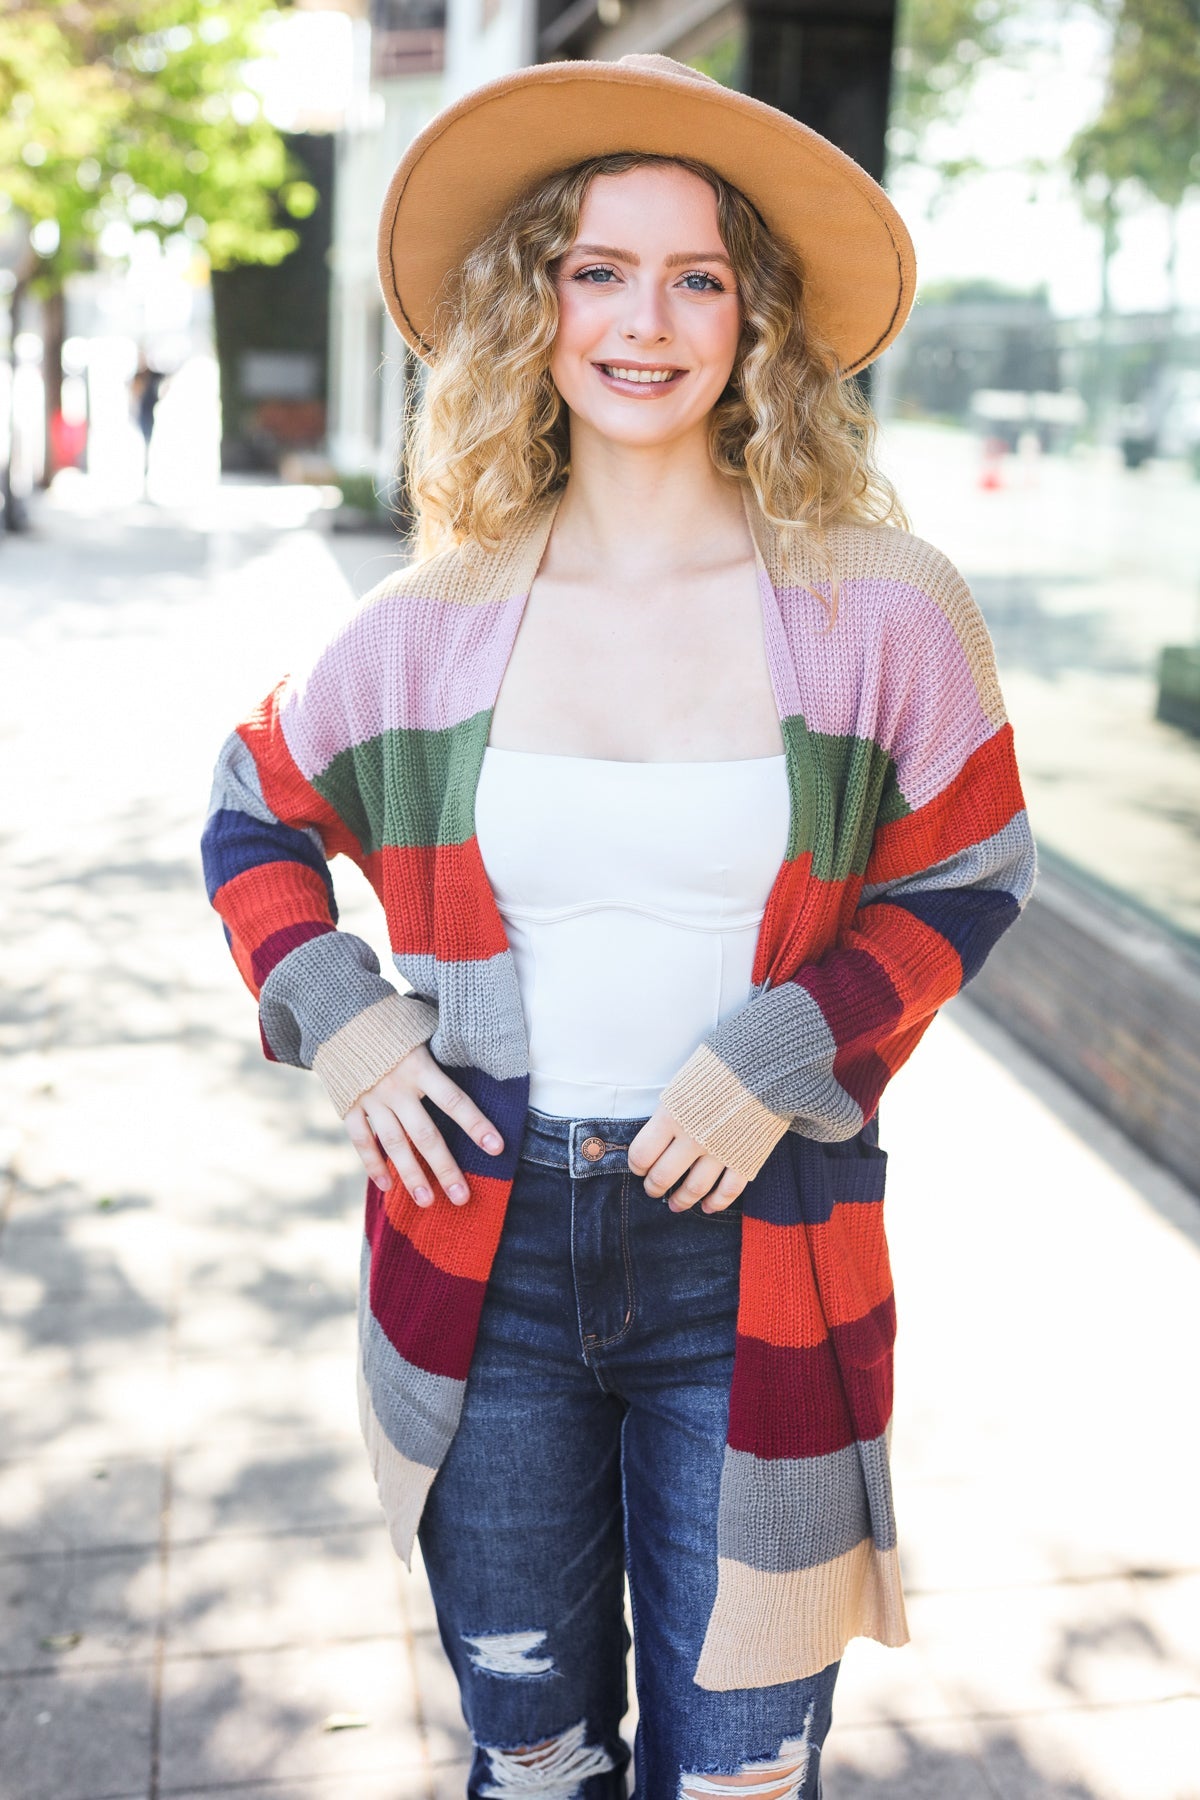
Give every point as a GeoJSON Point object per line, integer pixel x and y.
{"type": "Point", "coordinates": [1042, 408]}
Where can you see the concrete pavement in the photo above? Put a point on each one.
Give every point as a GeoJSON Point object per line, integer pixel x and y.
{"type": "Point", "coordinates": [197, 1592]}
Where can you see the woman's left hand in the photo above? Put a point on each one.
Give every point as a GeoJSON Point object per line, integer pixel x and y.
{"type": "Point", "coordinates": [662, 1151]}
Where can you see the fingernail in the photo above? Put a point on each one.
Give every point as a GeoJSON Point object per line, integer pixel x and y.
{"type": "Point", "coordinates": [491, 1141]}
{"type": "Point", "coordinates": [422, 1196]}
{"type": "Point", "coordinates": [457, 1192]}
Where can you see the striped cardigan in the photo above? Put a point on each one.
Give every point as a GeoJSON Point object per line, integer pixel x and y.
{"type": "Point", "coordinates": [909, 853]}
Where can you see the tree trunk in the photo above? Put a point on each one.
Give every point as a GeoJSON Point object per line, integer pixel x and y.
{"type": "Point", "coordinates": [54, 318]}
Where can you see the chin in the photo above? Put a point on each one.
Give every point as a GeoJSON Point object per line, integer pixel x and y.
{"type": "Point", "coordinates": [643, 432]}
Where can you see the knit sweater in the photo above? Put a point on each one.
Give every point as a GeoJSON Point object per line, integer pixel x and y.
{"type": "Point", "coordinates": [909, 854]}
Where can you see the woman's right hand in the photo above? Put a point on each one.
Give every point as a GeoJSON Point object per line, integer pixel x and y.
{"type": "Point", "coordinates": [389, 1120]}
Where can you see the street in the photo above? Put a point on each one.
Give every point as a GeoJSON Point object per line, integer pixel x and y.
{"type": "Point", "coordinates": [199, 1596]}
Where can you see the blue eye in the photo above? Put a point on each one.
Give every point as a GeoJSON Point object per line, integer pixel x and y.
{"type": "Point", "coordinates": [587, 274]}
{"type": "Point", "coordinates": [714, 286]}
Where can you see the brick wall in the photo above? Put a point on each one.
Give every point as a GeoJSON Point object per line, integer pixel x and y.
{"type": "Point", "coordinates": [1111, 1000]}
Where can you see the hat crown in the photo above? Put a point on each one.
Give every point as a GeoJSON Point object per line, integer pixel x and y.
{"type": "Point", "coordinates": [656, 64]}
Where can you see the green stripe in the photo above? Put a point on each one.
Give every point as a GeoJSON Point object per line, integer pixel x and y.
{"type": "Point", "coordinates": [837, 787]}
{"type": "Point", "coordinates": [409, 789]}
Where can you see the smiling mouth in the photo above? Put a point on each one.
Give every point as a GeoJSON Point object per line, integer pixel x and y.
{"type": "Point", "coordinates": [642, 377]}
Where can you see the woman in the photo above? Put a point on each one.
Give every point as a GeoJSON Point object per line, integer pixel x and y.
{"type": "Point", "coordinates": [683, 775]}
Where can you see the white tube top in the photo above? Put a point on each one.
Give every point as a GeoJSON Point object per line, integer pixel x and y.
{"type": "Point", "coordinates": [631, 895]}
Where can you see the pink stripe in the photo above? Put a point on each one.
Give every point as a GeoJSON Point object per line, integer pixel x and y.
{"type": "Point", "coordinates": [441, 663]}
{"type": "Point", "coordinates": [892, 670]}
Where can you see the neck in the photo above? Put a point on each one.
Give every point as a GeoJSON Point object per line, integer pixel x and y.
{"type": "Point", "coordinates": [635, 513]}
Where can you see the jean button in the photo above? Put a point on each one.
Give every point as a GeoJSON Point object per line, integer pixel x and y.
{"type": "Point", "coordinates": [593, 1148]}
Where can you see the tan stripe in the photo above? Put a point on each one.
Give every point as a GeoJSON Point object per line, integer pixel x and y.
{"type": "Point", "coordinates": [767, 1628]}
{"type": "Point", "coordinates": [370, 1044]}
{"type": "Point", "coordinates": [403, 1485]}
{"type": "Point", "coordinates": [715, 1108]}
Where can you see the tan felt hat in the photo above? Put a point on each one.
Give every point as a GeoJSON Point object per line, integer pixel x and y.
{"type": "Point", "coordinates": [460, 173]}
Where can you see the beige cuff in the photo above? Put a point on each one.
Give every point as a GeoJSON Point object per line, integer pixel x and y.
{"type": "Point", "coordinates": [713, 1107]}
{"type": "Point", "coordinates": [371, 1044]}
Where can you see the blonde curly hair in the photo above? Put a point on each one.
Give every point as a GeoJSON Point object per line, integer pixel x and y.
{"type": "Point", "coordinates": [489, 436]}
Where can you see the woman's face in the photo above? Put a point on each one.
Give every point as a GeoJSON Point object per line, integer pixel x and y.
{"type": "Point", "coordinates": [649, 316]}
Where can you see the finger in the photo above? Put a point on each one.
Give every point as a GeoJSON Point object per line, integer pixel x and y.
{"type": "Point", "coordinates": [649, 1144]}
{"type": "Point", "coordinates": [394, 1140]}
{"type": "Point", "coordinates": [725, 1192]}
{"type": "Point", "coordinates": [673, 1164]}
{"type": "Point", "coordinates": [462, 1109]}
{"type": "Point", "coordinates": [363, 1138]}
{"type": "Point", "coordinates": [703, 1175]}
{"type": "Point", "coordinates": [429, 1143]}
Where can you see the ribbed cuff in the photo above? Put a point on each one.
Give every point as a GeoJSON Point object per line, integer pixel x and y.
{"type": "Point", "coordinates": [370, 1044]}
{"type": "Point", "coordinates": [713, 1107]}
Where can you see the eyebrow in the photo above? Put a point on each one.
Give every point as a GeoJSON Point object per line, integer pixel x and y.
{"type": "Point", "coordinates": [672, 262]}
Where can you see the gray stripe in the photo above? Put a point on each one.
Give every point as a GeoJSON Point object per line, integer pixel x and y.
{"type": "Point", "coordinates": [237, 788]}
{"type": "Point", "coordinates": [420, 972]}
{"type": "Point", "coordinates": [1007, 860]}
{"type": "Point", "coordinates": [781, 1049]}
{"type": "Point", "coordinates": [481, 1021]}
{"type": "Point", "coordinates": [417, 1412]}
{"type": "Point", "coordinates": [316, 989]}
{"type": "Point", "coordinates": [798, 1513]}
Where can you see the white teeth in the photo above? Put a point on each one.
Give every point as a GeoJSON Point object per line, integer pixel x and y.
{"type": "Point", "coordinates": [637, 374]}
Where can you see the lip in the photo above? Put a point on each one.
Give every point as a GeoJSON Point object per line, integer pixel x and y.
{"type": "Point", "coordinates": [640, 390]}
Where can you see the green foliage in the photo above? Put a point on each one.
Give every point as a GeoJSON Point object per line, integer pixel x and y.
{"type": "Point", "coordinates": [138, 111]}
{"type": "Point", "coordinates": [1148, 129]}
{"type": "Point", "coordinates": [940, 47]}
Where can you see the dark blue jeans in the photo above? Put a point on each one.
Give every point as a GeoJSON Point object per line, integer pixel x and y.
{"type": "Point", "coordinates": [590, 1444]}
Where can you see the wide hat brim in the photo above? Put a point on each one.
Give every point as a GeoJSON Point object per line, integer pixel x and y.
{"type": "Point", "coordinates": [475, 157]}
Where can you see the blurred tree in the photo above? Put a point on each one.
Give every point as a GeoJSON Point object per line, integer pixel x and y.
{"type": "Point", "coordinates": [940, 46]}
{"type": "Point", "coordinates": [1147, 133]}
{"type": "Point", "coordinates": [137, 112]}
{"type": "Point", "coordinates": [1145, 138]}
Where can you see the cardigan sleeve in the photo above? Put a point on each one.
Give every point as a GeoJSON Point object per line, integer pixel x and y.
{"type": "Point", "coordinates": [269, 835]}
{"type": "Point", "coordinates": [951, 865]}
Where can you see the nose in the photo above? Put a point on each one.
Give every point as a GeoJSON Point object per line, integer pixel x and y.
{"type": "Point", "coordinates": [646, 320]}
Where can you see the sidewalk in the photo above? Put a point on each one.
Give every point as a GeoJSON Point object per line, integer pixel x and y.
{"type": "Point", "coordinates": [195, 1581]}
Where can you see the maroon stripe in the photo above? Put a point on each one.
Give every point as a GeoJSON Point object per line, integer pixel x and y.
{"type": "Point", "coordinates": [788, 1402]}
{"type": "Point", "coordinates": [863, 1075]}
{"type": "Point", "coordinates": [273, 949]}
{"type": "Point", "coordinates": [855, 995]}
{"type": "Point", "coordinates": [430, 1317]}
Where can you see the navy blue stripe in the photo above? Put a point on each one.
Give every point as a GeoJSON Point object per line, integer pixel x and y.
{"type": "Point", "coordinates": [971, 919]}
{"type": "Point", "coordinates": [505, 1103]}
{"type": "Point", "coordinates": [802, 1181]}
{"type": "Point", "coordinates": [233, 842]}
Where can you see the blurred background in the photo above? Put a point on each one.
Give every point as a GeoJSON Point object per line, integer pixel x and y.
{"type": "Point", "coordinates": [200, 402]}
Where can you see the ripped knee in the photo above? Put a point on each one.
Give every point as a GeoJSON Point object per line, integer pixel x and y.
{"type": "Point", "coordinates": [781, 1777]}
{"type": "Point", "coordinates": [555, 1769]}
{"type": "Point", "coordinates": [513, 1653]}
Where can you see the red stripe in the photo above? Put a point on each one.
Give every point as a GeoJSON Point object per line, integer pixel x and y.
{"type": "Point", "coordinates": [438, 901]}
{"type": "Point", "coordinates": [467, 925]}
{"type": "Point", "coordinates": [979, 802]}
{"type": "Point", "coordinates": [404, 880]}
{"type": "Point", "coordinates": [290, 797]}
{"type": "Point", "coordinates": [266, 900]}
{"type": "Point", "coordinates": [458, 1240]}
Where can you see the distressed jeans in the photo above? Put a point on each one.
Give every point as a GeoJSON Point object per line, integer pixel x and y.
{"type": "Point", "coordinates": [590, 1445]}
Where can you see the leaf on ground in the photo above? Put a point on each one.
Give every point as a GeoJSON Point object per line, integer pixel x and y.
{"type": "Point", "coordinates": [346, 1721]}
{"type": "Point", "coordinates": [62, 1640]}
